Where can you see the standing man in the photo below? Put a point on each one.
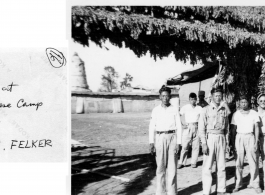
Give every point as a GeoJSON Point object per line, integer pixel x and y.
{"type": "Point", "coordinates": [245, 137]}
{"type": "Point", "coordinates": [213, 131]}
{"type": "Point", "coordinates": [261, 113]}
{"type": "Point", "coordinates": [202, 101]}
{"type": "Point", "coordinates": [165, 139]}
{"type": "Point", "coordinates": [190, 135]}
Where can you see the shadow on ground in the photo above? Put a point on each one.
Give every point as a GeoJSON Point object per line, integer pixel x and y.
{"type": "Point", "coordinates": [142, 181]}
{"type": "Point", "coordinates": [103, 160]}
{"type": "Point", "coordinates": [231, 171]}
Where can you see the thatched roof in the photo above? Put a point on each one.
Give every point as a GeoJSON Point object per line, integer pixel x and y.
{"type": "Point", "coordinates": [233, 35]}
{"type": "Point", "coordinates": [194, 30]}
{"type": "Point", "coordinates": [162, 30]}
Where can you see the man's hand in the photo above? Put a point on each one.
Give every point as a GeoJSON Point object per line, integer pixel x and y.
{"type": "Point", "coordinates": [234, 149]}
{"type": "Point", "coordinates": [228, 149]}
{"type": "Point", "coordinates": [152, 149]}
{"type": "Point", "coordinates": [176, 148]}
{"type": "Point", "coordinates": [205, 149]}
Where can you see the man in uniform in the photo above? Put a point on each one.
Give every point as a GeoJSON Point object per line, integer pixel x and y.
{"type": "Point", "coordinates": [190, 135]}
{"type": "Point", "coordinates": [213, 131]}
{"type": "Point", "coordinates": [165, 138]}
{"type": "Point", "coordinates": [202, 101]}
{"type": "Point", "coordinates": [245, 136]}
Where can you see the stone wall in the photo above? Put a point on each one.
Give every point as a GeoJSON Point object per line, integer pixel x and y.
{"type": "Point", "coordinates": [102, 102]}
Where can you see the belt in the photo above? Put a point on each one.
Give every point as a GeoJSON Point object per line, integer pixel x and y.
{"type": "Point", "coordinates": [213, 131]}
{"type": "Point", "coordinates": [165, 132]}
{"type": "Point", "coordinates": [245, 133]}
{"type": "Point", "coordinates": [196, 123]}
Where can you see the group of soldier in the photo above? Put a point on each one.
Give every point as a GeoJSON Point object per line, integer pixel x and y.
{"type": "Point", "coordinates": [208, 125]}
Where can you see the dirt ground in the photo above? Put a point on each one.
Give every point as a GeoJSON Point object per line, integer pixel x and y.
{"type": "Point", "coordinates": [117, 145]}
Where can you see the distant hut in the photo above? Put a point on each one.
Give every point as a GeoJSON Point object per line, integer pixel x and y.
{"type": "Point", "coordinates": [78, 74]}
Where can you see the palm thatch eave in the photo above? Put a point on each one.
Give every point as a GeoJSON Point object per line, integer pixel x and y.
{"type": "Point", "coordinates": [89, 18]}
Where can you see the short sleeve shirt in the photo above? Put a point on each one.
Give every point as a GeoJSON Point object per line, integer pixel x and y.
{"type": "Point", "coordinates": [245, 122]}
{"type": "Point", "coordinates": [192, 114]}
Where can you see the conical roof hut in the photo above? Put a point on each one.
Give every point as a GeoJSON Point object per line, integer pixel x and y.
{"type": "Point", "coordinates": [78, 74]}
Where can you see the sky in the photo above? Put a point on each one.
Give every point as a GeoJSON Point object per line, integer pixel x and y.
{"type": "Point", "coordinates": [144, 70]}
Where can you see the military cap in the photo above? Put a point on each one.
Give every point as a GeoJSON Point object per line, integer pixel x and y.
{"type": "Point", "coordinates": [201, 93]}
{"type": "Point", "coordinates": [217, 89]}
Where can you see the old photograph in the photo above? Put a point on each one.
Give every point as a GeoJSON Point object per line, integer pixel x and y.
{"type": "Point", "coordinates": [167, 100]}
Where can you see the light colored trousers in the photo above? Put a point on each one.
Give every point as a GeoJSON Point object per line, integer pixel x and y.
{"type": "Point", "coordinates": [245, 144]}
{"type": "Point", "coordinates": [166, 161]}
{"type": "Point", "coordinates": [190, 138]}
{"type": "Point", "coordinates": [217, 146]}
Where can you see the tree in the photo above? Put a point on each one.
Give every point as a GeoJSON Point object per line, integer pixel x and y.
{"type": "Point", "coordinates": [235, 35]}
{"type": "Point", "coordinates": [109, 79]}
{"type": "Point", "coordinates": [126, 81]}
